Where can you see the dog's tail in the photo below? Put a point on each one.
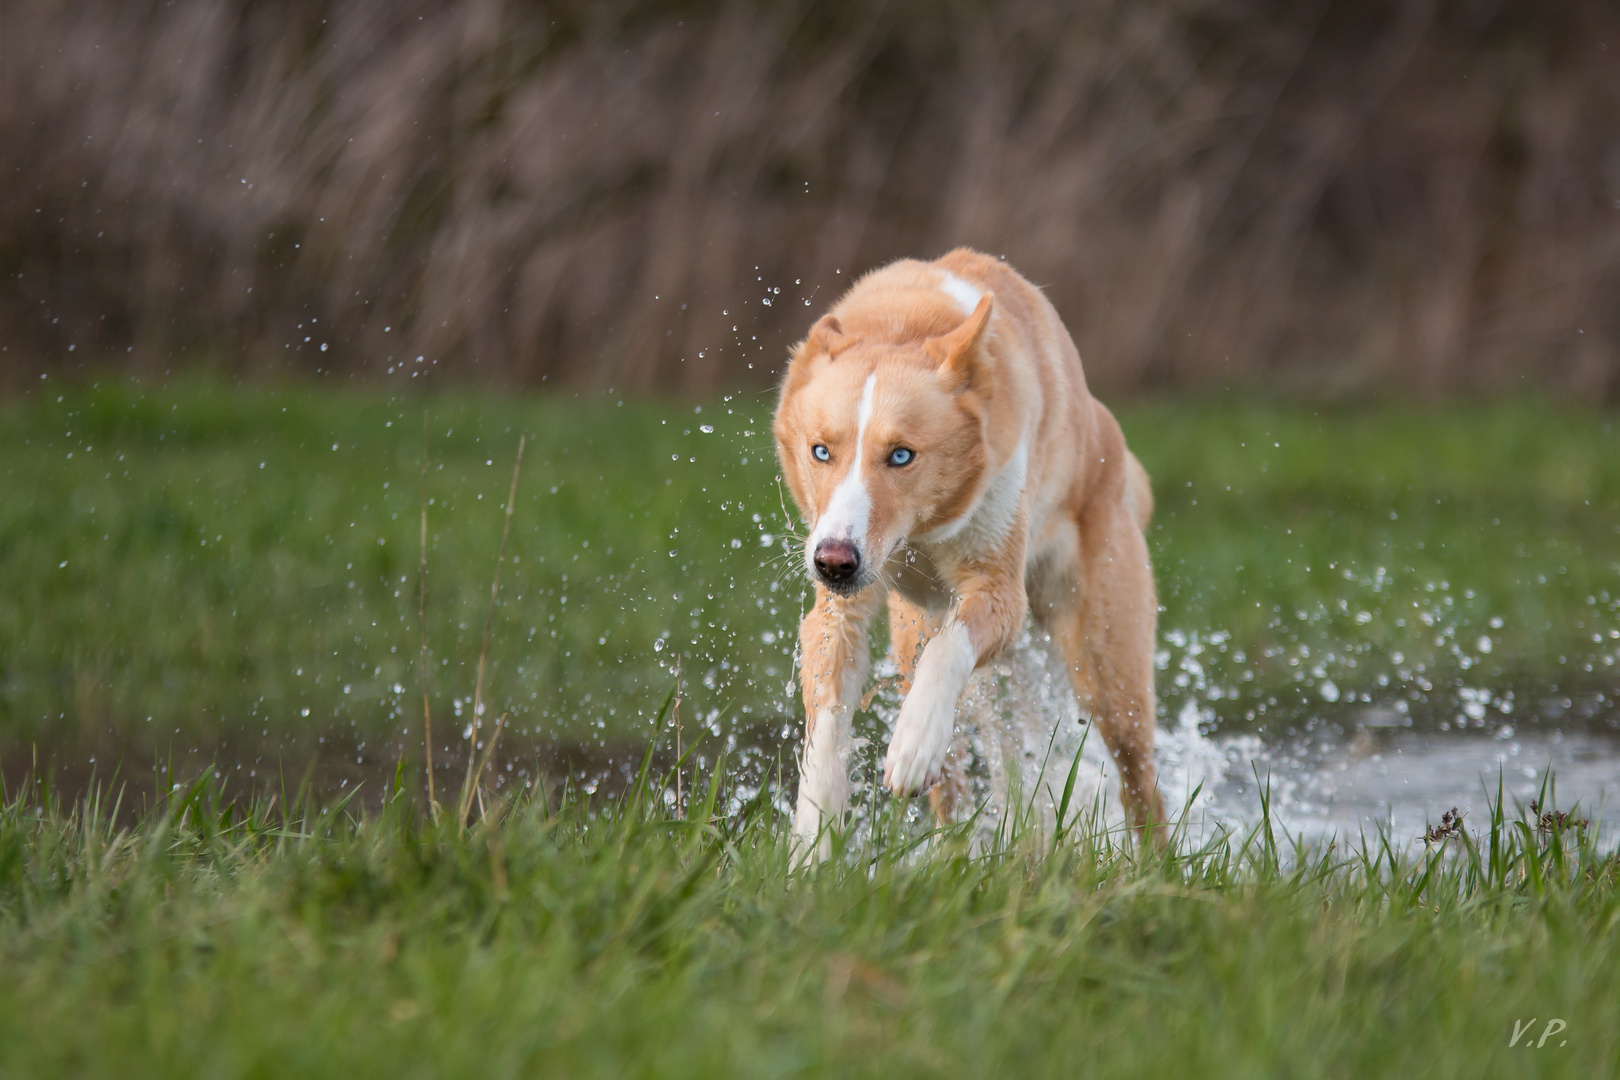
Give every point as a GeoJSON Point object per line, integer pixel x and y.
{"type": "Point", "coordinates": [1138, 491]}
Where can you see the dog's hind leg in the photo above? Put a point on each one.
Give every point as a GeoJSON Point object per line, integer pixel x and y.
{"type": "Point", "coordinates": [910, 627]}
{"type": "Point", "coordinates": [1104, 626]}
{"type": "Point", "coordinates": [952, 789]}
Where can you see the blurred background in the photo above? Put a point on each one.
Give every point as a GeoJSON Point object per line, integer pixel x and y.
{"type": "Point", "coordinates": [1329, 197]}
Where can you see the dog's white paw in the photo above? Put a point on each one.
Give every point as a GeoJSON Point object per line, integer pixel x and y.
{"type": "Point", "coordinates": [811, 843]}
{"type": "Point", "coordinates": [922, 735]}
{"type": "Point", "coordinates": [818, 809]}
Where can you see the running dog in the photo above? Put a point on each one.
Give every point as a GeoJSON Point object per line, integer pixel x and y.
{"type": "Point", "coordinates": [937, 434]}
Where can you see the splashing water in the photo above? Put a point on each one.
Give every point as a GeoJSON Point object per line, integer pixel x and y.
{"type": "Point", "coordinates": [1021, 730]}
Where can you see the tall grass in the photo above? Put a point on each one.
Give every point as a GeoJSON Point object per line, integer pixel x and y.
{"type": "Point", "coordinates": [1335, 195]}
{"type": "Point", "coordinates": [567, 936]}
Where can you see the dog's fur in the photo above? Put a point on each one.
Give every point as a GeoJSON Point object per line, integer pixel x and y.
{"type": "Point", "coordinates": [1020, 497]}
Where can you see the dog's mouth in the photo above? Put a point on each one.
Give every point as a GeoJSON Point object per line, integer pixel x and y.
{"type": "Point", "coordinates": [844, 587]}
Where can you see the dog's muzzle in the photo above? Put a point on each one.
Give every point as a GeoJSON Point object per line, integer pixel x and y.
{"type": "Point", "coordinates": [838, 565]}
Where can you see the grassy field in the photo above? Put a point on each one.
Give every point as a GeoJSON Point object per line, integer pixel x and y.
{"type": "Point", "coordinates": [204, 572]}
{"type": "Point", "coordinates": [623, 939]}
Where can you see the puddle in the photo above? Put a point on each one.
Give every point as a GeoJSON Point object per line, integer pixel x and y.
{"type": "Point", "coordinates": [1404, 781]}
{"type": "Point", "coordinates": [1338, 780]}
{"type": "Point", "coordinates": [1358, 771]}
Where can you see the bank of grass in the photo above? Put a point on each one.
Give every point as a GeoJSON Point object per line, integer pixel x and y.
{"type": "Point", "coordinates": [626, 939]}
{"type": "Point", "coordinates": [230, 572]}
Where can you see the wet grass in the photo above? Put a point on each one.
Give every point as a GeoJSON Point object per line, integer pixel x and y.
{"type": "Point", "coordinates": [203, 571]}
{"type": "Point", "coordinates": [625, 938]}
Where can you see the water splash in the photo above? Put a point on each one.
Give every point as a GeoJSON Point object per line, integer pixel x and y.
{"type": "Point", "coordinates": [1021, 730]}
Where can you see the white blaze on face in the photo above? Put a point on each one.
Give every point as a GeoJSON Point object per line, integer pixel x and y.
{"type": "Point", "coordinates": [850, 507]}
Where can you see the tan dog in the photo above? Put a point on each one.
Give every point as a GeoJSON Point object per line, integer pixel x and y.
{"type": "Point", "coordinates": [937, 434]}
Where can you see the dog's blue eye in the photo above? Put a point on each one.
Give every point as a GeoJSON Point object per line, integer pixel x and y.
{"type": "Point", "coordinates": [821, 452]}
{"type": "Point", "coordinates": [900, 456]}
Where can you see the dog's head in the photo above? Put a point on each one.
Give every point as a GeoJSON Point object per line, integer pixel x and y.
{"type": "Point", "coordinates": [880, 442]}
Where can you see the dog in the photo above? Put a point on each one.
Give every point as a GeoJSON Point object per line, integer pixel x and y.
{"type": "Point", "coordinates": [935, 430]}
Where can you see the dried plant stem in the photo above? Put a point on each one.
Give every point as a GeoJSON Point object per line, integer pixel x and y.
{"type": "Point", "coordinates": [421, 622]}
{"type": "Point", "coordinates": [469, 786]}
{"type": "Point", "coordinates": [676, 709]}
{"type": "Point", "coordinates": [486, 760]}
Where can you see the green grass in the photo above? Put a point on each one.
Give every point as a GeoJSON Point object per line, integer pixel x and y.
{"type": "Point", "coordinates": [624, 939]}
{"type": "Point", "coordinates": [207, 572]}
{"type": "Point", "coordinates": [220, 572]}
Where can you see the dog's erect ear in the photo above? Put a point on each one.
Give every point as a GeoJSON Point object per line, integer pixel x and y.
{"type": "Point", "coordinates": [825, 341]}
{"type": "Point", "coordinates": [828, 337]}
{"type": "Point", "coordinates": [957, 353]}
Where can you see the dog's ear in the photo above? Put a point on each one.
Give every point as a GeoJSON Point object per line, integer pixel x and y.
{"type": "Point", "coordinates": [828, 337]}
{"type": "Point", "coordinates": [825, 341]}
{"type": "Point", "coordinates": [958, 353]}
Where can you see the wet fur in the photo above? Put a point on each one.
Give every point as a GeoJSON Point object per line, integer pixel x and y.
{"type": "Point", "coordinates": [1022, 499]}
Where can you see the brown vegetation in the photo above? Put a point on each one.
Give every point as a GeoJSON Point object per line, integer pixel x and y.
{"type": "Point", "coordinates": [1330, 196]}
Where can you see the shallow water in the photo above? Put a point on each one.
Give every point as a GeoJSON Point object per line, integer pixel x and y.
{"type": "Point", "coordinates": [1358, 771]}
{"type": "Point", "coordinates": [1324, 780]}
{"type": "Point", "coordinates": [1403, 782]}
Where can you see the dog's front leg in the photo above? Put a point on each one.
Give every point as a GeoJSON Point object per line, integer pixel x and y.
{"type": "Point", "coordinates": [835, 660]}
{"type": "Point", "coordinates": [985, 620]}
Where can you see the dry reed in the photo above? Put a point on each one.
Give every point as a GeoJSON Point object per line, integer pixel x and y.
{"type": "Point", "coordinates": [1332, 195]}
{"type": "Point", "coordinates": [473, 783]}
{"type": "Point", "coordinates": [675, 706]}
{"type": "Point", "coordinates": [421, 620]}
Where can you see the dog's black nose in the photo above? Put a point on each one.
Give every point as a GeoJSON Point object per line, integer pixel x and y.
{"type": "Point", "coordinates": [837, 561]}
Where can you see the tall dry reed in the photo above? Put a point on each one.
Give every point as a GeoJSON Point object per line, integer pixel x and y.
{"type": "Point", "coordinates": [1331, 196]}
